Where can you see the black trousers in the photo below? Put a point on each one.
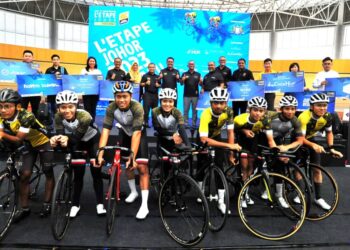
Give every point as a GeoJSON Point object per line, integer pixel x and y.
{"type": "Point", "coordinates": [52, 100]}
{"type": "Point", "coordinates": [34, 101]}
{"type": "Point", "coordinates": [239, 107]}
{"type": "Point", "coordinates": [150, 101]}
{"type": "Point", "coordinates": [90, 104]}
{"type": "Point", "coordinates": [270, 98]}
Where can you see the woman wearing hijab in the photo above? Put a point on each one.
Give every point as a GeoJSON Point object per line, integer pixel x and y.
{"type": "Point", "coordinates": [135, 76]}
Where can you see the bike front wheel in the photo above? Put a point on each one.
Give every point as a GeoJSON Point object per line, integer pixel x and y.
{"type": "Point", "coordinates": [271, 218]}
{"type": "Point", "coordinates": [217, 195]}
{"type": "Point", "coordinates": [184, 218]}
{"type": "Point", "coordinates": [8, 201]}
{"type": "Point", "coordinates": [62, 204]}
{"type": "Point", "coordinates": [111, 202]}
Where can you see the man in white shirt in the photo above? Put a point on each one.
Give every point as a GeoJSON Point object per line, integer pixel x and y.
{"type": "Point", "coordinates": [320, 80]}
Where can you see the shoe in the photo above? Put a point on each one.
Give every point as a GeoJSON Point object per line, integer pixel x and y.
{"type": "Point", "coordinates": [244, 204]}
{"type": "Point", "coordinates": [296, 200]}
{"type": "Point", "coordinates": [45, 210]}
{"type": "Point", "coordinates": [323, 204]}
{"type": "Point", "coordinates": [20, 214]}
{"type": "Point", "coordinates": [74, 211]}
{"type": "Point", "coordinates": [132, 197]}
{"type": "Point", "coordinates": [264, 195]}
{"type": "Point", "coordinates": [282, 202]}
{"type": "Point", "coordinates": [100, 209]}
{"type": "Point", "coordinates": [222, 207]}
{"type": "Point", "coordinates": [249, 200]}
{"type": "Point", "coordinates": [142, 213]}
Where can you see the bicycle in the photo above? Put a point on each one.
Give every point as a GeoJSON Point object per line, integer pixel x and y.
{"type": "Point", "coordinates": [268, 218]}
{"type": "Point", "coordinates": [330, 187]}
{"type": "Point", "coordinates": [156, 169]}
{"type": "Point", "coordinates": [185, 220]}
{"type": "Point", "coordinates": [215, 188]}
{"type": "Point", "coordinates": [61, 203]}
{"type": "Point", "coordinates": [9, 178]}
{"type": "Point", "coordinates": [113, 192]}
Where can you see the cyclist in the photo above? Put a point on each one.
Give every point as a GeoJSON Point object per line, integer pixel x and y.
{"type": "Point", "coordinates": [169, 123]}
{"type": "Point", "coordinates": [253, 128]}
{"type": "Point", "coordinates": [75, 129]}
{"type": "Point", "coordinates": [129, 116]}
{"type": "Point", "coordinates": [315, 120]}
{"type": "Point", "coordinates": [211, 122]}
{"type": "Point", "coordinates": [18, 126]}
{"type": "Point", "coordinates": [287, 134]}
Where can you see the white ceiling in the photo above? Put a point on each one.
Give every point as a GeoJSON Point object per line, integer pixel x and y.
{"type": "Point", "coordinates": [251, 6]}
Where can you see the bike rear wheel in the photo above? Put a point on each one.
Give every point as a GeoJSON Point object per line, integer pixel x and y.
{"type": "Point", "coordinates": [8, 201]}
{"type": "Point", "coordinates": [268, 219]}
{"type": "Point", "coordinates": [185, 220]}
{"type": "Point", "coordinates": [62, 204]}
{"type": "Point", "coordinates": [329, 192]}
{"type": "Point", "coordinates": [111, 202]}
{"type": "Point", "coordinates": [217, 194]}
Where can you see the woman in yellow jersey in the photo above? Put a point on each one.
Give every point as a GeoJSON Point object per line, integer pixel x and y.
{"type": "Point", "coordinates": [17, 126]}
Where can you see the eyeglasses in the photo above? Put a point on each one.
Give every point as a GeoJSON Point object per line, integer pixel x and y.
{"type": "Point", "coordinates": [6, 106]}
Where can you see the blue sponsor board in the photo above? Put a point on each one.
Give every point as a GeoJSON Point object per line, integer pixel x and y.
{"type": "Point", "coordinates": [245, 90]}
{"type": "Point", "coordinates": [304, 100]}
{"type": "Point", "coordinates": [341, 86]}
{"type": "Point", "coordinates": [82, 84]}
{"type": "Point", "coordinates": [10, 69]}
{"type": "Point", "coordinates": [284, 82]}
{"type": "Point", "coordinates": [203, 101]}
{"type": "Point", "coordinates": [37, 85]}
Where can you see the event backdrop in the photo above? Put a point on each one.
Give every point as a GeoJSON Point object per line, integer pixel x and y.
{"type": "Point", "coordinates": [152, 34]}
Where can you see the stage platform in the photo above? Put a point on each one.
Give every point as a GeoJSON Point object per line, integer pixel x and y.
{"type": "Point", "coordinates": [87, 231]}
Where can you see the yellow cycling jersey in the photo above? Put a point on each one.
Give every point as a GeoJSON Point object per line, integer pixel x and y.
{"type": "Point", "coordinates": [211, 124]}
{"type": "Point", "coordinates": [310, 125]}
{"type": "Point", "coordinates": [242, 122]}
{"type": "Point", "coordinates": [25, 122]}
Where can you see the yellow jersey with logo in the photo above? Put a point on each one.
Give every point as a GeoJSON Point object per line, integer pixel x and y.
{"type": "Point", "coordinates": [211, 124]}
{"type": "Point", "coordinates": [26, 122]}
{"type": "Point", "coordinates": [242, 122]}
{"type": "Point", "coordinates": [310, 124]}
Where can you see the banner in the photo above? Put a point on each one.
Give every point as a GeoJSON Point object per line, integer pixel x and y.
{"type": "Point", "coordinates": [10, 69]}
{"type": "Point", "coordinates": [147, 35]}
{"type": "Point", "coordinates": [203, 101]}
{"type": "Point", "coordinates": [106, 91]}
{"type": "Point", "coordinates": [284, 82]}
{"type": "Point", "coordinates": [304, 100]}
{"type": "Point", "coordinates": [38, 85]}
{"type": "Point", "coordinates": [341, 86]}
{"type": "Point", "coordinates": [245, 90]}
{"type": "Point", "coordinates": [82, 84]}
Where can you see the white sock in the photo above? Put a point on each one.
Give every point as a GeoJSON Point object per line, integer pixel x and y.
{"type": "Point", "coordinates": [132, 186]}
{"type": "Point", "coordinates": [200, 184]}
{"type": "Point", "coordinates": [221, 193]}
{"type": "Point", "coordinates": [279, 189]}
{"type": "Point", "coordinates": [144, 195]}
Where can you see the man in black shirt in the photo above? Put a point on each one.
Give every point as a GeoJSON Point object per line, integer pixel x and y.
{"type": "Point", "coordinates": [116, 74]}
{"type": "Point", "coordinates": [56, 69]}
{"type": "Point", "coordinates": [212, 79]}
{"type": "Point", "coordinates": [241, 74]}
{"type": "Point", "coordinates": [224, 70]}
{"type": "Point", "coordinates": [191, 79]}
{"type": "Point", "coordinates": [169, 76]}
{"type": "Point", "coordinates": [34, 101]}
{"type": "Point", "coordinates": [150, 97]}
